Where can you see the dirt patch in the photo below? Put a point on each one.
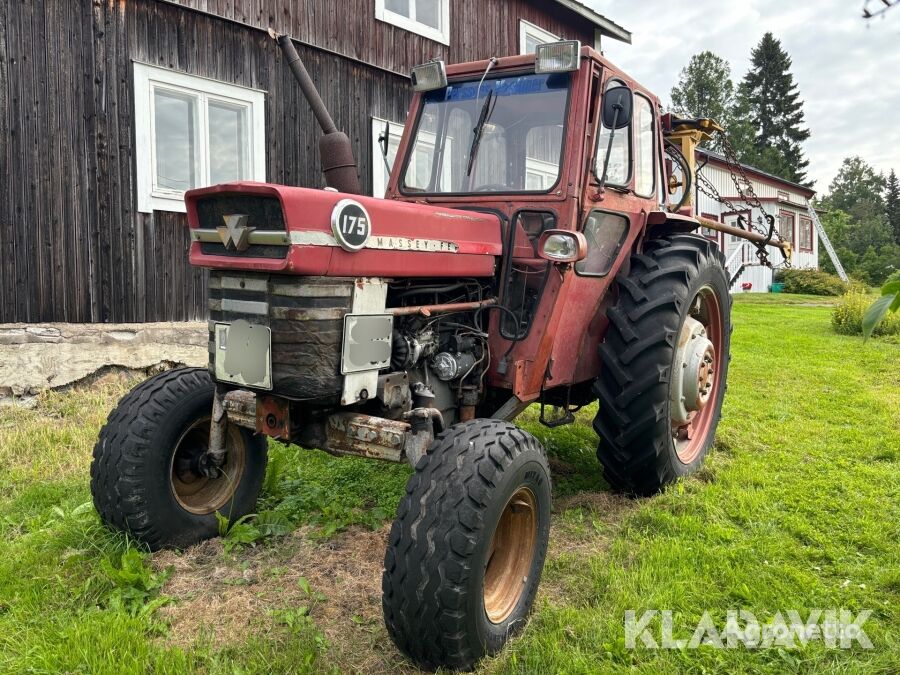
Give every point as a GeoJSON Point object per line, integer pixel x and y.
{"type": "Point", "coordinates": [223, 599]}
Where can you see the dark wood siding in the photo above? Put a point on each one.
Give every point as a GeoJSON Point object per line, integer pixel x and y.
{"type": "Point", "coordinates": [74, 246]}
{"type": "Point", "coordinates": [478, 28]}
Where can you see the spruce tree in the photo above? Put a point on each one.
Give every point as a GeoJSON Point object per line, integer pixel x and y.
{"type": "Point", "coordinates": [892, 204]}
{"type": "Point", "coordinates": [775, 111]}
{"type": "Point", "coordinates": [705, 89]}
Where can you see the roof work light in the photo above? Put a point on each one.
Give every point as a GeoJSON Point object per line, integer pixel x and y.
{"type": "Point", "coordinates": [428, 76]}
{"type": "Point", "coordinates": [557, 57]}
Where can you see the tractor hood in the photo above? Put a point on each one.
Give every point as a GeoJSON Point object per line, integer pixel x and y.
{"type": "Point", "coordinates": [292, 230]}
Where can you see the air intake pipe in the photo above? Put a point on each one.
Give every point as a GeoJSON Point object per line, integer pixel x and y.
{"type": "Point", "coordinates": [335, 150]}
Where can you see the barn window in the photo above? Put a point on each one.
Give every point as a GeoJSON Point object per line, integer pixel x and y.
{"type": "Point", "coordinates": [192, 132]}
{"type": "Point", "coordinates": [806, 235]}
{"type": "Point", "coordinates": [530, 36]}
{"type": "Point", "coordinates": [429, 18]}
{"type": "Point", "coordinates": [786, 226]}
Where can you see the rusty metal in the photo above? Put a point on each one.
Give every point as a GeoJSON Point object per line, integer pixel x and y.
{"type": "Point", "coordinates": [428, 310]}
{"type": "Point", "coordinates": [466, 413]}
{"type": "Point", "coordinates": [217, 428]}
{"type": "Point", "coordinates": [199, 486]}
{"type": "Point", "coordinates": [273, 417]}
{"type": "Point", "coordinates": [423, 422]}
{"type": "Point", "coordinates": [240, 407]}
{"type": "Point", "coordinates": [335, 150]}
{"type": "Point", "coordinates": [749, 235]}
{"type": "Point", "coordinates": [366, 436]}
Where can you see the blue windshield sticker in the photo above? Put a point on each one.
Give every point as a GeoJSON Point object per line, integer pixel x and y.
{"type": "Point", "coordinates": [507, 86]}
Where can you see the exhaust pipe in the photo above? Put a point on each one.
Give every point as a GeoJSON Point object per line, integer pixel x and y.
{"type": "Point", "coordinates": [335, 150]}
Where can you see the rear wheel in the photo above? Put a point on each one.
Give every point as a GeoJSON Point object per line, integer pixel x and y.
{"type": "Point", "coordinates": [467, 548]}
{"type": "Point", "coordinates": [149, 475]}
{"type": "Point", "coordinates": [665, 362]}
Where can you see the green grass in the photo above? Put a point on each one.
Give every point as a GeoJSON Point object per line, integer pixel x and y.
{"type": "Point", "coordinates": [797, 508]}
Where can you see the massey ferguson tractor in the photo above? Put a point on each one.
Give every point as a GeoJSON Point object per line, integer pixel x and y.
{"type": "Point", "coordinates": [536, 245]}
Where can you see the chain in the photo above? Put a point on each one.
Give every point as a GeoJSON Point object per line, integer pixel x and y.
{"type": "Point", "coordinates": [748, 196]}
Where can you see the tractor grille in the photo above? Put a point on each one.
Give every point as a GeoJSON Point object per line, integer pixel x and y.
{"type": "Point", "coordinates": [263, 214]}
{"type": "Point", "coordinates": [306, 317]}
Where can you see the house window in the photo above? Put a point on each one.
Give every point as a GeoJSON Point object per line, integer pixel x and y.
{"type": "Point", "coordinates": [530, 36]}
{"type": "Point", "coordinates": [419, 167]}
{"type": "Point", "coordinates": [786, 226]}
{"type": "Point", "coordinates": [381, 164]}
{"type": "Point", "coordinates": [806, 234]}
{"type": "Point", "coordinates": [429, 18]}
{"type": "Point", "coordinates": [192, 132]}
{"type": "Point", "coordinates": [708, 232]}
{"type": "Point", "coordinates": [783, 196]}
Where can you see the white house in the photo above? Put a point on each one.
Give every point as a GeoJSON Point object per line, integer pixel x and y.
{"type": "Point", "coordinates": [781, 198]}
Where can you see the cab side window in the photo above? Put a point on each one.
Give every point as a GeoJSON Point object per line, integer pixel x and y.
{"type": "Point", "coordinates": [619, 170]}
{"type": "Point", "coordinates": [643, 146]}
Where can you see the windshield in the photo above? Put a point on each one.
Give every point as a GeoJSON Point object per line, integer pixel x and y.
{"type": "Point", "coordinates": [505, 137]}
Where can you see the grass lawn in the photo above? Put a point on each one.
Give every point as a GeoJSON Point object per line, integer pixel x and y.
{"type": "Point", "coordinates": [797, 508]}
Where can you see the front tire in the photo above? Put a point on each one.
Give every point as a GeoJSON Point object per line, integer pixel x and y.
{"type": "Point", "coordinates": [467, 548]}
{"type": "Point", "coordinates": [664, 364]}
{"type": "Point", "coordinates": [145, 477]}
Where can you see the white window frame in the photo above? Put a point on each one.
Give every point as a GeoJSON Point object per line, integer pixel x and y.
{"type": "Point", "coordinates": [413, 26]}
{"type": "Point", "coordinates": [380, 174]}
{"type": "Point", "coordinates": [147, 78]}
{"type": "Point", "coordinates": [527, 28]}
{"type": "Point", "coordinates": [548, 171]}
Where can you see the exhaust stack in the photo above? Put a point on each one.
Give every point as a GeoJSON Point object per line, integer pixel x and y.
{"type": "Point", "coordinates": [335, 150]}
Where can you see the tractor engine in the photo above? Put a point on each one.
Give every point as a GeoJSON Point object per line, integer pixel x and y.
{"type": "Point", "coordinates": [328, 326]}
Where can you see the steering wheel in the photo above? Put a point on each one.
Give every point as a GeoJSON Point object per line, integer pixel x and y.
{"type": "Point", "coordinates": [491, 187]}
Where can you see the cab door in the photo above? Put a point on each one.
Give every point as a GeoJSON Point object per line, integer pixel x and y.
{"type": "Point", "coordinates": [611, 220]}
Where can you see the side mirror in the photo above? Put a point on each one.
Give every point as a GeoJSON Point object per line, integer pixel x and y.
{"type": "Point", "coordinates": [617, 106]}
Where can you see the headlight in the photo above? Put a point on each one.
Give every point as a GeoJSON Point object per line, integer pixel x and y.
{"type": "Point", "coordinates": [428, 76]}
{"type": "Point", "coordinates": [562, 246]}
{"type": "Point", "coordinates": [557, 57]}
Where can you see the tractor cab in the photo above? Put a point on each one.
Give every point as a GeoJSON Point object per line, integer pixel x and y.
{"type": "Point", "coordinates": [571, 180]}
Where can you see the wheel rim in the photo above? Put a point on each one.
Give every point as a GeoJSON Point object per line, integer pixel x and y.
{"type": "Point", "coordinates": [696, 380]}
{"type": "Point", "coordinates": [510, 556]}
{"type": "Point", "coordinates": [194, 491]}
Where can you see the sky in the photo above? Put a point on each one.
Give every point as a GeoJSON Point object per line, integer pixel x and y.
{"type": "Point", "coordinates": [847, 68]}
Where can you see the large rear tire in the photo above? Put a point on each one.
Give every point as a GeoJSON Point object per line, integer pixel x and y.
{"type": "Point", "coordinates": [145, 476]}
{"type": "Point", "coordinates": [664, 364]}
{"type": "Point", "coordinates": [467, 548]}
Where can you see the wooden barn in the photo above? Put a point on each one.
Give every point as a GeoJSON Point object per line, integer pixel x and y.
{"type": "Point", "coordinates": [111, 109]}
{"type": "Point", "coordinates": [786, 201]}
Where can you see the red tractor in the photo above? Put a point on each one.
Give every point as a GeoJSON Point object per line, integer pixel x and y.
{"type": "Point", "coordinates": [528, 251]}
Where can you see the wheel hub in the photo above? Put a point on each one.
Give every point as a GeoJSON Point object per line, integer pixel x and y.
{"type": "Point", "coordinates": [694, 377]}
{"type": "Point", "coordinates": [510, 556]}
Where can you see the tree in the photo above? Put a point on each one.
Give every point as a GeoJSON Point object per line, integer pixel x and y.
{"type": "Point", "coordinates": [775, 112]}
{"type": "Point", "coordinates": [892, 204]}
{"type": "Point", "coordinates": [857, 223]}
{"type": "Point", "coordinates": [705, 89]}
{"type": "Point", "coordinates": [856, 182]}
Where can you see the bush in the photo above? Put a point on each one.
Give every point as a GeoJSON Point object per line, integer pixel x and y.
{"type": "Point", "coordinates": [848, 315]}
{"type": "Point", "coordinates": [811, 282]}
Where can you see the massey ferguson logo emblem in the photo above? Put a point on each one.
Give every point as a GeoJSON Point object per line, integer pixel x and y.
{"type": "Point", "coordinates": [350, 224]}
{"type": "Point", "coordinates": [235, 235]}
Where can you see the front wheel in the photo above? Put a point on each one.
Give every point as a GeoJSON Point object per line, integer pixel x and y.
{"type": "Point", "coordinates": [664, 364]}
{"type": "Point", "coordinates": [147, 475]}
{"type": "Point", "coordinates": [467, 548]}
